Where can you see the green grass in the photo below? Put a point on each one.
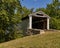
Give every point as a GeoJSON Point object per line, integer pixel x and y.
{"type": "Point", "coordinates": [47, 40]}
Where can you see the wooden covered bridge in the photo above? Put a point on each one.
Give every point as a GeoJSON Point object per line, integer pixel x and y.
{"type": "Point", "coordinates": [35, 22]}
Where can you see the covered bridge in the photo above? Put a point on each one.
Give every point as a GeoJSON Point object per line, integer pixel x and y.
{"type": "Point", "coordinates": [35, 21]}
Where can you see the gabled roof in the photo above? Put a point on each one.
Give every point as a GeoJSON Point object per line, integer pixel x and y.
{"type": "Point", "coordinates": [39, 14]}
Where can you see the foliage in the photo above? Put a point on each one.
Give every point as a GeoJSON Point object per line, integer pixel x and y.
{"type": "Point", "coordinates": [10, 16]}
{"type": "Point", "coordinates": [55, 23]}
{"type": "Point", "coordinates": [26, 12]}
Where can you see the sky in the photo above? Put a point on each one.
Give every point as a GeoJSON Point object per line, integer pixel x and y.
{"type": "Point", "coordinates": [35, 3]}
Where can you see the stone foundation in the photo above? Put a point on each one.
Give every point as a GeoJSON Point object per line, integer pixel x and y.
{"type": "Point", "coordinates": [35, 31]}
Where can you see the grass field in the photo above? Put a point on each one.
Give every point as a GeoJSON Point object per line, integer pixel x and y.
{"type": "Point", "coordinates": [47, 40]}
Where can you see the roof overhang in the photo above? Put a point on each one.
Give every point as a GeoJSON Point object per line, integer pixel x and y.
{"type": "Point", "coordinates": [35, 15]}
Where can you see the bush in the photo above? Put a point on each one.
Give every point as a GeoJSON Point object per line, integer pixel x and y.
{"type": "Point", "coordinates": [55, 23]}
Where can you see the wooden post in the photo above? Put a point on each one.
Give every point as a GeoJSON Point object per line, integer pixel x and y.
{"type": "Point", "coordinates": [47, 23]}
{"type": "Point", "coordinates": [30, 22]}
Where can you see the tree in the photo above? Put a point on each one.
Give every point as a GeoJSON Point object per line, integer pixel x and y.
{"type": "Point", "coordinates": [10, 16]}
{"type": "Point", "coordinates": [25, 11]}
{"type": "Point", "coordinates": [53, 8]}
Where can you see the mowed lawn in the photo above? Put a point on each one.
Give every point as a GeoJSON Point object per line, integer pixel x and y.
{"type": "Point", "coordinates": [47, 40]}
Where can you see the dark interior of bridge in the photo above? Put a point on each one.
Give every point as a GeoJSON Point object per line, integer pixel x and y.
{"type": "Point", "coordinates": [39, 23]}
